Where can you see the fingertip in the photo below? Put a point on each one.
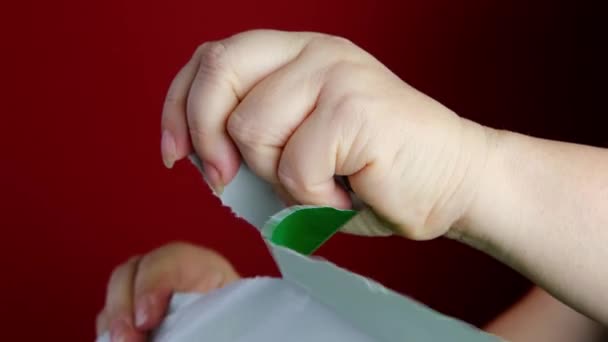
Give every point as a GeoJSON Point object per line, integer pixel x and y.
{"type": "Point", "coordinates": [101, 323]}
{"type": "Point", "coordinates": [141, 313]}
{"type": "Point", "coordinates": [213, 178]}
{"type": "Point", "coordinates": [230, 166]}
{"type": "Point", "coordinates": [122, 331]}
{"type": "Point", "coordinates": [150, 309]}
{"type": "Point", "coordinates": [173, 148]}
{"type": "Point", "coordinates": [221, 167]}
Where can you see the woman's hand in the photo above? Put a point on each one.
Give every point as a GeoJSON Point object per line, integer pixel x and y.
{"type": "Point", "coordinates": [301, 108]}
{"type": "Point", "coordinates": [140, 289]}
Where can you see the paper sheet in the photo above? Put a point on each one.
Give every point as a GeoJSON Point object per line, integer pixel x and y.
{"type": "Point", "coordinates": [315, 301]}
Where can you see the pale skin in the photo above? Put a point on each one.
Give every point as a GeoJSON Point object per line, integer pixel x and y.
{"type": "Point", "coordinates": [300, 108]}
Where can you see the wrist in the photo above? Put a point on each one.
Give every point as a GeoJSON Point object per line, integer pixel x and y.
{"type": "Point", "coordinates": [482, 175]}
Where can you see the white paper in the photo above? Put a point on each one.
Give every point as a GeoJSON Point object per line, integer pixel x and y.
{"type": "Point", "coordinates": [316, 301]}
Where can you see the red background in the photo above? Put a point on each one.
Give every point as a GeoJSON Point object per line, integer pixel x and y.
{"type": "Point", "coordinates": [82, 185]}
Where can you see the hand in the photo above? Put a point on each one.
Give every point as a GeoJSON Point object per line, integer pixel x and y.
{"type": "Point", "coordinates": [538, 316]}
{"type": "Point", "coordinates": [140, 289]}
{"type": "Point", "coordinates": [301, 108]}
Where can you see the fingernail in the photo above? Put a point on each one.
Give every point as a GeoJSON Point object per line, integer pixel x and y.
{"type": "Point", "coordinates": [141, 311]}
{"type": "Point", "coordinates": [213, 178]}
{"type": "Point", "coordinates": [168, 149]}
{"type": "Point", "coordinates": [118, 332]}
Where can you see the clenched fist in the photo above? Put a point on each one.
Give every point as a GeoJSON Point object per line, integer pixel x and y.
{"type": "Point", "coordinates": [301, 108]}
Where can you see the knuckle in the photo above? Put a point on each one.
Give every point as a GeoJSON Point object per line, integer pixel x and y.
{"type": "Point", "coordinates": [345, 106]}
{"type": "Point", "coordinates": [174, 249]}
{"type": "Point", "coordinates": [417, 226]}
{"type": "Point", "coordinates": [169, 253]}
{"type": "Point", "coordinates": [177, 245]}
{"type": "Point", "coordinates": [213, 58]}
{"type": "Point", "coordinates": [117, 273]}
{"type": "Point", "coordinates": [340, 41]}
{"type": "Point", "coordinates": [244, 130]}
{"type": "Point", "coordinates": [415, 232]}
{"type": "Point", "coordinates": [325, 41]}
{"type": "Point", "coordinates": [333, 49]}
{"type": "Point", "coordinates": [295, 183]}
{"type": "Point", "coordinates": [122, 270]}
{"type": "Point", "coordinates": [348, 108]}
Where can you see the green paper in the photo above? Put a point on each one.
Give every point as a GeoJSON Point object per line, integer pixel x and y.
{"type": "Point", "coordinates": [305, 228]}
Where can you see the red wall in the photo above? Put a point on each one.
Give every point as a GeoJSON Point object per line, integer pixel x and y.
{"type": "Point", "coordinates": [82, 185]}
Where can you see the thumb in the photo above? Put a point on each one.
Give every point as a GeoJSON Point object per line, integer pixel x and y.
{"type": "Point", "coordinates": [367, 223]}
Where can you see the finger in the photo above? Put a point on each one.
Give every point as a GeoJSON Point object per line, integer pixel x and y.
{"type": "Point", "coordinates": [101, 323]}
{"type": "Point", "coordinates": [171, 268]}
{"type": "Point", "coordinates": [101, 326]}
{"type": "Point", "coordinates": [308, 163]}
{"type": "Point", "coordinates": [228, 70]}
{"type": "Point", "coordinates": [367, 223]}
{"type": "Point", "coordinates": [271, 112]}
{"type": "Point", "coordinates": [119, 303]}
{"type": "Point", "coordinates": [121, 331]}
{"type": "Point", "coordinates": [175, 140]}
